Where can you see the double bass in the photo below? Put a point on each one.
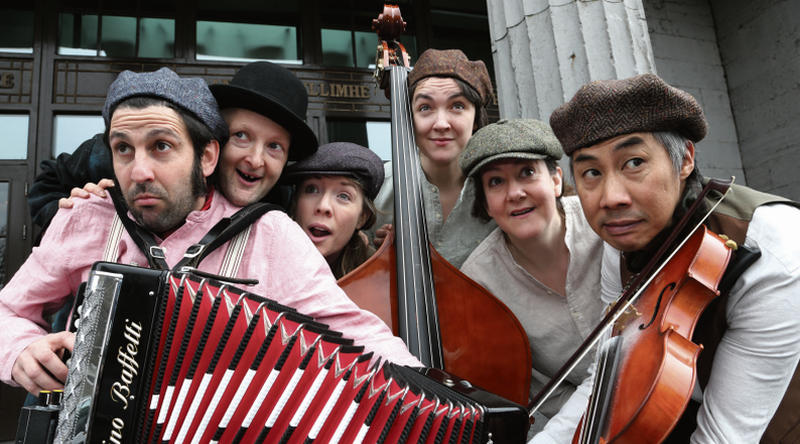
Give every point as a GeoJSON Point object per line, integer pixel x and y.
{"type": "Point", "coordinates": [646, 371]}
{"type": "Point", "coordinates": [447, 320]}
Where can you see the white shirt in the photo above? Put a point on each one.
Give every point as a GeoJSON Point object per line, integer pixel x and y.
{"type": "Point", "coordinates": [556, 325]}
{"type": "Point", "coordinates": [759, 351]}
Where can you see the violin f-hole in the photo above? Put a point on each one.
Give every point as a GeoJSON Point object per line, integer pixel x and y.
{"type": "Point", "coordinates": [670, 287]}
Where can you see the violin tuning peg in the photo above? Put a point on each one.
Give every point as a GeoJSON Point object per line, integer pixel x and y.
{"type": "Point", "coordinates": [730, 243]}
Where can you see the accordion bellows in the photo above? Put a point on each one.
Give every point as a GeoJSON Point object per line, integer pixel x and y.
{"type": "Point", "coordinates": [165, 357]}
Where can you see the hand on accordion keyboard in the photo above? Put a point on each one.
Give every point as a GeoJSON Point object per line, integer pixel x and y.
{"type": "Point", "coordinates": [39, 366]}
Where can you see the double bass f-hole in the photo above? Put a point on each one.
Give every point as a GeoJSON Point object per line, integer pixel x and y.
{"type": "Point", "coordinates": [669, 287]}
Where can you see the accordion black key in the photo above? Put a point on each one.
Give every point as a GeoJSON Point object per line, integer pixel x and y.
{"type": "Point", "coordinates": [176, 357]}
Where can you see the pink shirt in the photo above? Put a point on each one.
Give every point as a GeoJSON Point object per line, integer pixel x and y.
{"type": "Point", "coordinates": [288, 267]}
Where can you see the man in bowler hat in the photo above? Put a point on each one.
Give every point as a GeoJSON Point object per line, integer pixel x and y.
{"type": "Point", "coordinates": [631, 144]}
{"type": "Point", "coordinates": [164, 134]}
{"type": "Point", "coordinates": [264, 105]}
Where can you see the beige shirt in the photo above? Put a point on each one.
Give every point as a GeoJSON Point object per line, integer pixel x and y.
{"type": "Point", "coordinates": [453, 238]}
{"type": "Point", "coordinates": [556, 325]}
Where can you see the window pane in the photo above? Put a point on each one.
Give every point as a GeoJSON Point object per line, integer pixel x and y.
{"type": "Point", "coordinates": [337, 47]}
{"type": "Point", "coordinates": [347, 131]}
{"type": "Point", "coordinates": [410, 43]}
{"type": "Point", "coordinates": [379, 137]}
{"type": "Point", "coordinates": [14, 128]}
{"type": "Point", "coordinates": [4, 188]}
{"type": "Point", "coordinates": [71, 131]}
{"type": "Point", "coordinates": [246, 42]}
{"type": "Point", "coordinates": [17, 34]}
{"type": "Point", "coordinates": [3, 214]}
{"type": "Point", "coordinates": [465, 31]}
{"type": "Point", "coordinates": [156, 38]}
{"type": "Point", "coordinates": [77, 34]}
{"type": "Point", "coordinates": [366, 48]}
{"type": "Point", "coordinates": [118, 36]}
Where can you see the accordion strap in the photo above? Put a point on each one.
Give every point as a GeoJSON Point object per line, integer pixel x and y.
{"type": "Point", "coordinates": [111, 253]}
{"type": "Point", "coordinates": [222, 232]}
{"type": "Point", "coordinates": [233, 256]}
{"type": "Point", "coordinates": [143, 238]}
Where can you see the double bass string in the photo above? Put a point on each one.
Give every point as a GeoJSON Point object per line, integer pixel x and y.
{"type": "Point", "coordinates": [416, 285]}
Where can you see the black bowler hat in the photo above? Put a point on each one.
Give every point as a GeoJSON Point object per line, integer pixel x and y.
{"type": "Point", "coordinates": [274, 92]}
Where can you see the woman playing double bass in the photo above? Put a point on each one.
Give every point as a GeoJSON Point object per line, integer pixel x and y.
{"type": "Point", "coordinates": [445, 318]}
{"type": "Point", "coordinates": [449, 95]}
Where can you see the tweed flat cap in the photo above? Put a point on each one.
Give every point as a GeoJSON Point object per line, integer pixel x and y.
{"type": "Point", "coordinates": [453, 63]}
{"type": "Point", "coordinates": [608, 108]}
{"type": "Point", "coordinates": [341, 159]}
{"type": "Point", "coordinates": [509, 139]}
{"type": "Point", "coordinates": [190, 94]}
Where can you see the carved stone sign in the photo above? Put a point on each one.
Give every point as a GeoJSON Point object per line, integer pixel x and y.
{"type": "Point", "coordinates": [343, 90]}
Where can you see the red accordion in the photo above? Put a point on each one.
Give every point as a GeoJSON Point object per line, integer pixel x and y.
{"type": "Point", "coordinates": [178, 357]}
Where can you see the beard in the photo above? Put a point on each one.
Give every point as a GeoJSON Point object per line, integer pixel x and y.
{"type": "Point", "coordinates": [177, 206]}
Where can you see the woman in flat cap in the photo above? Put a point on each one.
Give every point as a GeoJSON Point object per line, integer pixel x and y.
{"type": "Point", "coordinates": [543, 259]}
{"type": "Point", "coordinates": [333, 201]}
{"type": "Point", "coordinates": [449, 95]}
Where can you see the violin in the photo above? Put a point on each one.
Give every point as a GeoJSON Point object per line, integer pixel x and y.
{"type": "Point", "coordinates": [646, 371]}
{"type": "Point", "coordinates": [446, 319]}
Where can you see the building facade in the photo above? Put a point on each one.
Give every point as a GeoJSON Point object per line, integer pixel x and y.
{"type": "Point", "coordinates": [741, 59]}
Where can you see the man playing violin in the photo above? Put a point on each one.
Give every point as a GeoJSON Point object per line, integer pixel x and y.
{"type": "Point", "coordinates": [631, 144]}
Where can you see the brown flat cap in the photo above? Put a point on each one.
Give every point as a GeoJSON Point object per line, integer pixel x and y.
{"type": "Point", "coordinates": [453, 63]}
{"type": "Point", "coordinates": [608, 108]}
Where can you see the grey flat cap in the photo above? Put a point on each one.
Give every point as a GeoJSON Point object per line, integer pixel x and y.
{"type": "Point", "coordinates": [190, 94]}
{"type": "Point", "coordinates": [509, 139]}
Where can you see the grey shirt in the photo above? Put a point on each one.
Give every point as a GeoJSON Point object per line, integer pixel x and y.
{"type": "Point", "coordinates": [556, 325]}
{"type": "Point", "coordinates": [453, 238]}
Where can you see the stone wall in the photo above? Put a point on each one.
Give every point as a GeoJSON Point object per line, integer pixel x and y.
{"type": "Point", "coordinates": [759, 45]}
{"type": "Point", "coordinates": [682, 34]}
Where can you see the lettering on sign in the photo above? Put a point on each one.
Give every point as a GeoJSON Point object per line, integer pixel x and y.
{"type": "Point", "coordinates": [6, 79]}
{"type": "Point", "coordinates": [345, 90]}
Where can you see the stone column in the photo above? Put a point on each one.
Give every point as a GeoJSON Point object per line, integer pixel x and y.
{"type": "Point", "coordinates": [545, 50]}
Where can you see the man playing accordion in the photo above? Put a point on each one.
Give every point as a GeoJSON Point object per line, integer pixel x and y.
{"type": "Point", "coordinates": [165, 134]}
